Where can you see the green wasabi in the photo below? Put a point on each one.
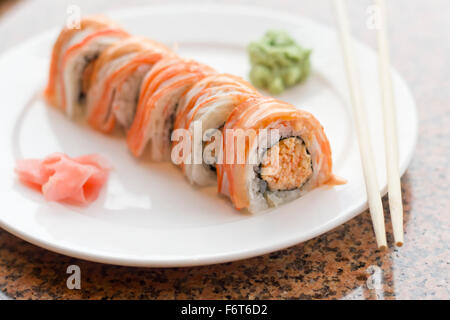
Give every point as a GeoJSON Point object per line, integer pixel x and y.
{"type": "Point", "coordinates": [278, 62]}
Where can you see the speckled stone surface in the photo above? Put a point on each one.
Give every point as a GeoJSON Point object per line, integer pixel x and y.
{"type": "Point", "coordinates": [342, 264]}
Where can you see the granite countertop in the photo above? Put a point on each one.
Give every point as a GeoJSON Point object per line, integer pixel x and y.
{"type": "Point", "coordinates": [341, 264]}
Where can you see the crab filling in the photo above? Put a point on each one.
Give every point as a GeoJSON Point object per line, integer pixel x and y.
{"type": "Point", "coordinates": [85, 80]}
{"type": "Point", "coordinates": [286, 165]}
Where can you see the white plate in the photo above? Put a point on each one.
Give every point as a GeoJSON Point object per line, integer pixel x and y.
{"type": "Point", "coordinates": [149, 215]}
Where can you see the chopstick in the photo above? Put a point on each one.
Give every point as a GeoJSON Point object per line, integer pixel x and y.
{"type": "Point", "coordinates": [360, 118]}
{"type": "Point", "coordinates": [390, 130]}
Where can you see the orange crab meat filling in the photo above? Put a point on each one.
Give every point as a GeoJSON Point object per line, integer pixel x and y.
{"type": "Point", "coordinates": [286, 165]}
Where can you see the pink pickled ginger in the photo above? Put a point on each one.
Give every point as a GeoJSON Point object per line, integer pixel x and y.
{"type": "Point", "coordinates": [64, 179]}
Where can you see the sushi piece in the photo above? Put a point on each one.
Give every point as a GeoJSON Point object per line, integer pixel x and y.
{"type": "Point", "coordinates": [64, 179]}
{"type": "Point", "coordinates": [116, 79]}
{"type": "Point", "coordinates": [292, 157]}
{"type": "Point", "coordinates": [209, 102]}
{"type": "Point", "coordinates": [160, 93]}
{"type": "Point", "coordinates": [73, 55]}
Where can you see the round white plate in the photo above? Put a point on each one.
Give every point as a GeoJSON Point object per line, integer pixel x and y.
{"type": "Point", "coordinates": [149, 215]}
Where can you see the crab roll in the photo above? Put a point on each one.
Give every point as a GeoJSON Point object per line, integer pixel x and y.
{"type": "Point", "coordinates": [116, 79]}
{"type": "Point", "coordinates": [284, 155]}
{"type": "Point", "coordinates": [161, 90]}
{"type": "Point", "coordinates": [209, 103]}
{"type": "Point", "coordinates": [73, 55]}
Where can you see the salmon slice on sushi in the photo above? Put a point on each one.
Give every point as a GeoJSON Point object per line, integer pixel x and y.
{"type": "Point", "coordinates": [160, 93]}
{"type": "Point", "coordinates": [73, 55]}
{"type": "Point", "coordinates": [116, 80]}
{"type": "Point", "coordinates": [292, 158]}
{"type": "Point", "coordinates": [209, 103]}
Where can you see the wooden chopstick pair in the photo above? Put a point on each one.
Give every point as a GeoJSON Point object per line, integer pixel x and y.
{"type": "Point", "coordinates": [390, 133]}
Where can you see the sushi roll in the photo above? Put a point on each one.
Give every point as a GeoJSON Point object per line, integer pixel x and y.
{"type": "Point", "coordinates": [261, 152]}
{"type": "Point", "coordinates": [160, 93]}
{"type": "Point", "coordinates": [73, 55]}
{"type": "Point", "coordinates": [116, 79]}
{"type": "Point", "coordinates": [290, 159]}
{"type": "Point", "coordinates": [209, 102]}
